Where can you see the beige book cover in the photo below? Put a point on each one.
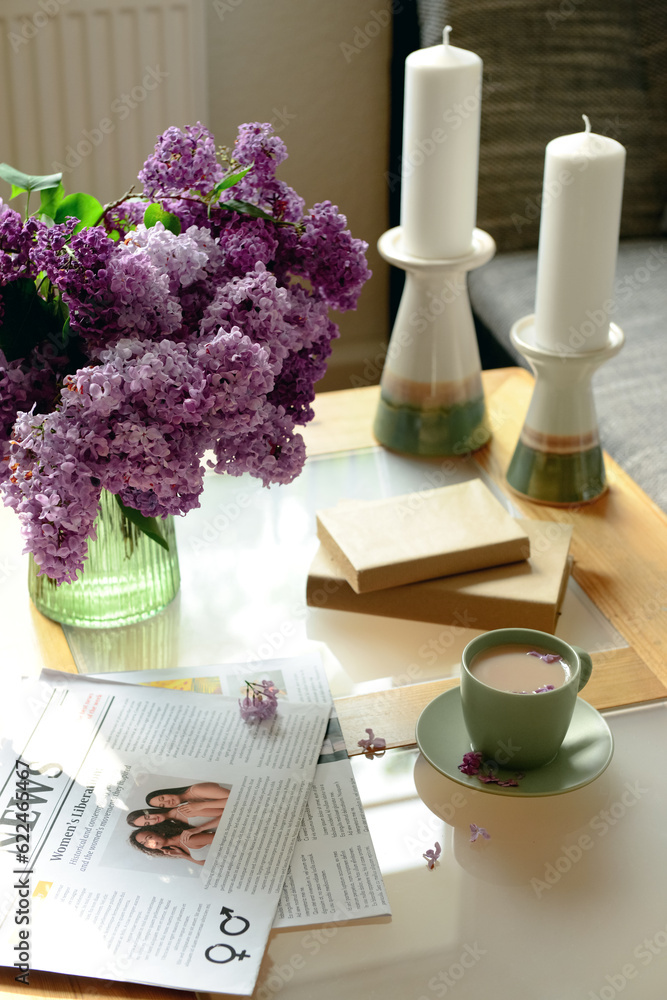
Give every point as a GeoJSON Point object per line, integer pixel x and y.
{"type": "Point", "coordinates": [523, 594]}
{"type": "Point", "coordinates": [419, 536]}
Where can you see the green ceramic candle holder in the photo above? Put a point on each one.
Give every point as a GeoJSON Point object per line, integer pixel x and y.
{"type": "Point", "coordinates": [432, 400]}
{"type": "Point", "coordinates": [558, 458]}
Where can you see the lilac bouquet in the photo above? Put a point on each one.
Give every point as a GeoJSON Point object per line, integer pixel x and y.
{"type": "Point", "coordinates": [136, 336]}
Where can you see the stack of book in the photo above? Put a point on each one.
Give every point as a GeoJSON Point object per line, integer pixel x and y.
{"type": "Point", "coordinates": [443, 556]}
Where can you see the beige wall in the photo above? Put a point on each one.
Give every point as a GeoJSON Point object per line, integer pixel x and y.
{"type": "Point", "coordinates": [314, 70]}
{"type": "Point", "coordinates": [318, 70]}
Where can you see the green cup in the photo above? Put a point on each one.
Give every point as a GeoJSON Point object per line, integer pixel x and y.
{"type": "Point", "coordinates": [520, 731]}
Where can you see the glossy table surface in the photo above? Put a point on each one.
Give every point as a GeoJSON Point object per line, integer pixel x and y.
{"type": "Point", "coordinates": [244, 557]}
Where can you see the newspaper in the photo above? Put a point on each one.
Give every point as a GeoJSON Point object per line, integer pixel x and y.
{"type": "Point", "coordinates": [334, 874]}
{"type": "Point", "coordinates": [79, 893]}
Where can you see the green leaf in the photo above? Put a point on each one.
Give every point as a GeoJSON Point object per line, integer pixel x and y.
{"type": "Point", "coordinates": [66, 334]}
{"type": "Point", "coordinates": [155, 213]}
{"type": "Point", "coordinates": [16, 191]}
{"type": "Point", "coordinates": [27, 319]}
{"type": "Point", "coordinates": [28, 182]}
{"type": "Point", "coordinates": [82, 206]}
{"type": "Point", "coordinates": [149, 525]}
{"type": "Point", "coordinates": [50, 199]}
{"type": "Point", "coordinates": [230, 180]}
{"type": "Point", "coordinates": [246, 208]}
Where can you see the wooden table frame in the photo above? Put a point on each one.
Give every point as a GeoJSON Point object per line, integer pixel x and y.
{"type": "Point", "coordinates": [619, 546]}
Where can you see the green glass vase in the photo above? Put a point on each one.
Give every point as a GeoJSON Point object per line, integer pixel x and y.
{"type": "Point", "coordinates": [126, 578]}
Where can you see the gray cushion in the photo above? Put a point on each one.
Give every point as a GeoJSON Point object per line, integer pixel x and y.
{"type": "Point", "coordinates": [630, 395]}
{"type": "Point", "coordinates": [545, 64]}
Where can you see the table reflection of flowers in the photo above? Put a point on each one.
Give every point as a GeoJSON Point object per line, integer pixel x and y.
{"type": "Point", "coordinates": [137, 336]}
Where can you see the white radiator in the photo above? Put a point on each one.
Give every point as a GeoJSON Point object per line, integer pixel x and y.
{"type": "Point", "coordinates": [87, 85]}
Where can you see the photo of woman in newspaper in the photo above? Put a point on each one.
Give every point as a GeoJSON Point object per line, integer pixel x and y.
{"type": "Point", "coordinates": [151, 817]}
{"type": "Point", "coordinates": [178, 822]}
{"type": "Point", "coordinates": [205, 798]}
{"type": "Point", "coordinates": [167, 840]}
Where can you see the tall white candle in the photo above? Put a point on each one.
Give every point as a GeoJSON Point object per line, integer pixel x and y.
{"type": "Point", "coordinates": [578, 244]}
{"type": "Point", "coordinates": [443, 87]}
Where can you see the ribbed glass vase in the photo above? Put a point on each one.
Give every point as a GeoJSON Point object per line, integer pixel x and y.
{"type": "Point", "coordinates": [126, 578]}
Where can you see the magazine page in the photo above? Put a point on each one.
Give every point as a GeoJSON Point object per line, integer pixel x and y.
{"type": "Point", "coordinates": [146, 833]}
{"type": "Point", "coordinates": [334, 873]}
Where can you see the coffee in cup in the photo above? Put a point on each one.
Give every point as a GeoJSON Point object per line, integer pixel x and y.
{"type": "Point", "coordinates": [518, 693]}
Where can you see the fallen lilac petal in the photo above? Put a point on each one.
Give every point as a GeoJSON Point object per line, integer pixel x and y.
{"type": "Point", "coordinates": [547, 657]}
{"type": "Point", "coordinates": [432, 855]}
{"type": "Point", "coordinates": [472, 762]}
{"type": "Point", "coordinates": [367, 743]}
{"type": "Point", "coordinates": [546, 687]}
{"type": "Point", "coordinates": [372, 744]}
{"type": "Point", "coordinates": [475, 832]}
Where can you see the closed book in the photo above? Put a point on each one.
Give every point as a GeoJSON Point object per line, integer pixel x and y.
{"type": "Point", "coordinates": [379, 544]}
{"type": "Point", "coordinates": [523, 594]}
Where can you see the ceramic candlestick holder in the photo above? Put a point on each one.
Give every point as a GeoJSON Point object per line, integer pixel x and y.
{"type": "Point", "coordinates": [432, 400]}
{"type": "Point", "coordinates": [558, 458]}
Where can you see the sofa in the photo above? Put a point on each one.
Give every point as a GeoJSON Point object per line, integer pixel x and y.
{"type": "Point", "coordinates": [547, 62]}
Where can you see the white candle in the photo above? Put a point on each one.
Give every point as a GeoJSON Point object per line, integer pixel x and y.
{"type": "Point", "coordinates": [578, 244]}
{"type": "Point", "coordinates": [443, 87]}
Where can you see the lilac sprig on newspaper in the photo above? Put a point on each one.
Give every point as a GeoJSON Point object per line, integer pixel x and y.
{"type": "Point", "coordinates": [372, 745]}
{"type": "Point", "coordinates": [260, 702]}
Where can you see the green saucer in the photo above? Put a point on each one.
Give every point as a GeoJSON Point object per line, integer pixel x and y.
{"type": "Point", "coordinates": [585, 753]}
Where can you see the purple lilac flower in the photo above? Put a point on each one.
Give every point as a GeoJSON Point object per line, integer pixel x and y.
{"type": "Point", "coordinates": [184, 259]}
{"type": "Point", "coordinates": [26, 383]}
{"type": "Point", "coordinates": [257, 144]}
{"type": "Point", "coordinates": [373, 744]}
{"type": "Point", "coordinates": [141, 295]}
{"type": "Point", "coordinates": [492, 779]}
{"type": "Point", "coordinates": [193, 212]}
{"type": "Point", "coordinates": [260, 701]}
{"type": "Point", "coordinates": [256, 303]}
{"type": "Point", "coordinates": [246, 242]}
{"type": "Point", "coordinates": [136, 425]}
{"type": "Point", "coordinates": [432, 856]}
{"type": "Point", "coordinates": [17, 240]}
{"type": "Point", "coordinates": [126, 216]}
{"type": "Point", "coordinates": [331, 258]}
{"type": "Point", "coordinates": [76, 264]}
{"type": "Point", "coordinates": [13, 394]}
{"type": "Point", "coordinates": [478, 831]}
{"type": "Point", "coordinates": [209, 340]}
{"type": "Point", "coordinates": [547, 657]}
{"type": "Point", "coordinates": [52, 490]}
{"type": "Point", "coordinates": [273, 453]}
{"type": "Point", "coordinates": [472, 763]}
{"type": "Point", "coordinates": [183, 161]}
{"type": "Point", "coordinates": [539, 690]}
